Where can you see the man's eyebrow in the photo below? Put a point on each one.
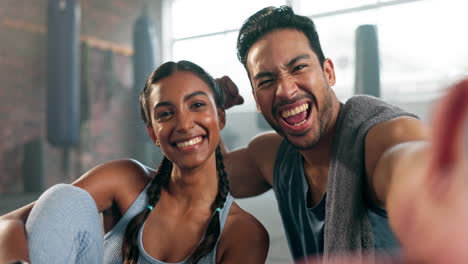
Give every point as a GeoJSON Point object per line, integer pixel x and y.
{"type": "Point", "coordinates": [262, 74]}
{"type": "Point", "coordinates": [298, 58]}
{"type": "Point", "coordinates": [290, 63]}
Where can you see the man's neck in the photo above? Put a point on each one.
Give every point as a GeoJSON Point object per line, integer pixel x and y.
{"type": "Point", "coordinates": [317, 159]}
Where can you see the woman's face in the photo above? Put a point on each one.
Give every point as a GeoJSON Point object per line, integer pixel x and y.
{"type": "Point", "coordinates": [185, 119]}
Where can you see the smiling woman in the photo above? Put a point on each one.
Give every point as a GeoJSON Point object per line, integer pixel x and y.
{"type": "Point", "coordinates": [182, 212]}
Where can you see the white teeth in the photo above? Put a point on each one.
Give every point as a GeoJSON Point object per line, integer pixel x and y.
{"type": "Point", "coordinates": [300, 123]}
{"type": "Point", "coordinates": [296, 110]}
{"type": "Point", "coordinates": [191, 142]}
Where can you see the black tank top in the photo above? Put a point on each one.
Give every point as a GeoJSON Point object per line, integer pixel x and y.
{"type": "Point", "coordinates": [304, 226]}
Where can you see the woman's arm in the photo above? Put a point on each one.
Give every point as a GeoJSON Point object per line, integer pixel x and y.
{"type": "Point", "coordinates": [13, 244]}
{"type": "Point", "coordinates": [102, 182]}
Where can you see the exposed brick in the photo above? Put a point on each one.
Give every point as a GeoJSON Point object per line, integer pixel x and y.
{"type": "Point", "coordinates": [23, 71]}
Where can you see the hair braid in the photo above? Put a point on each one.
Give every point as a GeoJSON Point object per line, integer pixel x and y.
{"type": "Point", "coordinates": [130, 250]}
{"type": "Point", "coordinates": [213, 230]}
{"type": "Point", "coordinates": [223, 182]}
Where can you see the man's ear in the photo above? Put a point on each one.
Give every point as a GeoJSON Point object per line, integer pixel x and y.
{"type": "Point", "coordinates": [329, 72]}
{"type": "Point", "coordinates": [152, 135]}
{"type": "Point", "coordinates": [221, 117]}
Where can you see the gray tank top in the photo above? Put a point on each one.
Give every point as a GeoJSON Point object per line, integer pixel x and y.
{"type": "Point", "coordinates": [113, 239]}
{"type": "Point", "coordinates": [305, 225]}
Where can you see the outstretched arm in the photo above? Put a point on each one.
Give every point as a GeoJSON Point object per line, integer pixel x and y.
{"type": "Point", "coordinates": [424, 186]}
{"type": "Point", "coordinates": [428, 200]}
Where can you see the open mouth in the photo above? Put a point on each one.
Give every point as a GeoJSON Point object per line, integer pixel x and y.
{"type": "Point", "coordinates": [295, 118]}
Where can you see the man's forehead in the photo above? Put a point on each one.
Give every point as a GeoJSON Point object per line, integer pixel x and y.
{"type": "Point", "coordinates": [278, 47]}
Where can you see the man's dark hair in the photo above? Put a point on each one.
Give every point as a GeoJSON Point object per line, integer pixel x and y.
{"type": "Point", "coordinates": [272, 18]}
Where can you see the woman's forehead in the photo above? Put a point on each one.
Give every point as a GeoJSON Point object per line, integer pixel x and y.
{"type": "Point", "coordinates": [176, 86]}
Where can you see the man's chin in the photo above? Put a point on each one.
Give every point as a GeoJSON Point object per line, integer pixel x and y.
{"type": "Point", "coordinates": [302, 142]}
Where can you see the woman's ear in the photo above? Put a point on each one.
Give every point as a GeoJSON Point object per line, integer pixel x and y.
{"type": "Point", "coordinates": [221, 117]}
{"type": "Point", "coordinates": [152, 135]}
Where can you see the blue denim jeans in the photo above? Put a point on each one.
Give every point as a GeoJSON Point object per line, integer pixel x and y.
{"type": "Point", "coordinates": [65, 227]}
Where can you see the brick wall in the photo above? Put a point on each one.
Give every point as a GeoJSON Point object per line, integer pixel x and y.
{"type": "Point", "coordinates": [105, 25]}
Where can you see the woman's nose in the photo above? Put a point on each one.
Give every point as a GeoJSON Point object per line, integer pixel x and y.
{"type": "Point", "coordinates": [184, 122]}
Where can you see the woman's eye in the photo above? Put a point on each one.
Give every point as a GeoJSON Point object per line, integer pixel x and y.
{"type": "Point", "coordinates": [164, 114]}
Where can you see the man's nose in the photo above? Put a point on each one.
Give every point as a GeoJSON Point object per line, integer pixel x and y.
{"type": "Point", "coordinates": [286, 88]}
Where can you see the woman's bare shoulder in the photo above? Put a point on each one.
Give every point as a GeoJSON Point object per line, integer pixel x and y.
{"type": "Point", "coordinates": [243, 239]}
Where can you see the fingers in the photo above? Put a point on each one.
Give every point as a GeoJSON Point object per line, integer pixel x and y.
{"type": "Point", "coordinates": [448, 127]}
{"type": "Point", "coordinates": [231, 87]}
{"type": "Point", "coordinates": [231, 92]}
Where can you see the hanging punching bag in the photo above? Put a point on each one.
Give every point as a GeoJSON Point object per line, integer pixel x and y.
{"type": "Point", "coordinates": [63, 66]}
{"type": "Point", "coordinates": [145, 59]}
{"type": "Point", "coordinates": [367, 76]}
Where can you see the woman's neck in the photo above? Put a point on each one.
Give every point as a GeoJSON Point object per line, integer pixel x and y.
{"type": "Point", "coordinates": [194, 187]}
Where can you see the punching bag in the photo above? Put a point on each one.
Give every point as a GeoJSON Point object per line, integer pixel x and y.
{"type": "Point", "coordinates": [367, 76]}
{"type": "Point", "coordinates": [145, 59]}
{"type": "Point", "coordinates": [63, 66]}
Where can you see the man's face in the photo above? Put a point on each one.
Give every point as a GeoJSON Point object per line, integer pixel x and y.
{"type": "Point", "coordinates": [290, 87]}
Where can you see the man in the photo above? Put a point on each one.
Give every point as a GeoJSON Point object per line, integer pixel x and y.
{"type": "Point", "coordinates": [338, 169]}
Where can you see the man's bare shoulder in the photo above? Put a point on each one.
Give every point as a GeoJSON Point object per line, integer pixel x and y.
{"type": "Point", "coordinates": [266, 139]}
{"type": "Point", "coordinates": [265, 145]}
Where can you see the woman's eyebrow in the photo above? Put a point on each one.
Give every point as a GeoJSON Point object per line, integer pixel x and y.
{"type": "Point", "coordinates": [160, 104]}
{"type": "Point", "coordinates": [189, 96]}
{"type": "Point", "coordinates": [186, 98]}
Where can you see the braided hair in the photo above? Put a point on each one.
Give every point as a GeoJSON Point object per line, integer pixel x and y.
{"type": "Point", "coordinates": [161, 179]}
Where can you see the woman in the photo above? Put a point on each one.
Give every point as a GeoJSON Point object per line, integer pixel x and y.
{"type": "Point", "coordinates": [181, 213]}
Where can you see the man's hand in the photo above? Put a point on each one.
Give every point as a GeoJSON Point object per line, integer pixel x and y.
{"type": "Point", "coordinates": [231, 92]}
{"type": "Point", "coordinates": [429, 208]}
{"type": "Point", "coordinates": [433, 208]}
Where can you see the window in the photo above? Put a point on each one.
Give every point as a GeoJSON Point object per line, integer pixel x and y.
{"type": "Point", "coordinates": [422, 54]}
{"type": "Point", "coordinates": [310, 7]}
{"type": "Point", "coordinates": [419, 54]}
{"type": "Point", "coordinates": [421, 42]}
{"type": "Point", "coordinates": [205, 32]}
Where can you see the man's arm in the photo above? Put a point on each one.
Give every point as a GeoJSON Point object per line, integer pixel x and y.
{"type": "Point", "coordinates": [250, 169]}
{"type": "Point", "coordinates": [384, 142]}
{"type": "Point", "coordinates": [424, 186]}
